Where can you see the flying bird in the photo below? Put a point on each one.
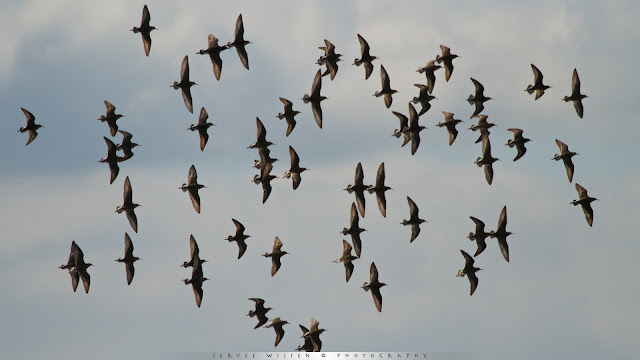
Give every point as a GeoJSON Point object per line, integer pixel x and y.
{"type": "Point", "coordinates": [501, 234]}
{"type": "Point", "coordinates": [479, 236]}
{"type": "Point", "coordinates": [450, 123]}
{"type": "Point", "coordinates": [31, 127]}
{"type": "Point", "coordinates": [483, 125]}
{"type": "Point", "coordinates": [259, 312]}
{"type": "Point", "coordinates": [374, 285]}
{"type": "Point", "coordinates": [185, 84]}
{"type": "Point", "coordinates": [585, 201]}
{"type": "Point", "coordinates": [402, 130]}
{"type": "Point", "coordinates": [315, 98]}
{"type": "Point", "coordinates": [197, 278]}
{"type": "Point", "coordinates": [77, 268]}
{"type": "Point", "coordinates": [194, 253]}
{"type": "Point", "coordinates": [379, 188]}
{"type": "Point", "coordinates": [365, 57]}
{"type": "Point", "coordinates": [424, 98]}
{"type": "Point", "coordinates": [112, 159]}
{"type": "Point", "coordinates": [214, 50]}
{"type": "Point", "coordinates": [111, 117]}
{"type": "Point", "coordinates": [295, 170]}
{"type": "Point", "coordinates": [202, 126]}
{"type": "Point", "coordinates": [314, 334]}
{"type": "Point", "coordinates": [518, 141]}
{"type": "Point", "coordinates": [145, 30]}
{"type": "Point", "coordinates": [354, 230]}
{"type": "Point", "coordinates": [239, 238]}
{"type": "Point", "coordinates": [239, 43]}
{"type": "Point", "coordinates": [478, 98]}
{"type": "Point", "coordinates": [386, 91]}
{"type": "Point", "coordinates": [346, 259]}
{"type": "Point", "coordinates": [128, 258]}
{"type": "Point", "coordinates": [288, 114]}
{"type": "Point", "coordinates": [413, 130]}
{"type": "Point", "coordinates": [277, 324]}
{"type": "Point", "coordinates": [576, 97]}
{"type": "Point", "coordinates": [308, 344]}
{"type": "Point", "coordinates": [414, 221]}
{"type": "Point", "coordinates": [446, 58]}
{"type": "Point", "coordinates": [429, 72]}
{"type": "Point", "coordinates": [358, 188]}
{"type": "Point", "coordinates": [470, 271]}
{"type": "Point", "coordinates": [126, 145]}
{"type": "Point", "coordinates": [128, 206]}
{"type": "Point", "coordinates": [261, 141]}
{"type": "Point", "coordinates": [537, 86]}
{"type": "Point", "coordinates": [330, 59]}
{"type": "Point", "coordinates": [275, 255]}
{"type": "Point", "coordinates": [565, 155]}
{"type": "Point", "coordinates": [192, 187]}
{"type": "Point", "coordinates": [265, 162]}
{"type": "Point", "coordinates": [486, 160]}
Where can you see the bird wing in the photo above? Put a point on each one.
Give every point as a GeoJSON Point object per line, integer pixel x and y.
{"type": "Point", "coordinates": [197, 291]}
{"type": "Point", "coordinates": [404, 121]}
{"type": "Point", "coordinates": [502, 220]}
{"type": "Point", "coordinates": [146, 41]}
{"type": "Point", "coordinates": [279, 334]}
{"type": "Point", "coordinates": [204, 137]}
{"type": "Point", "coordinates": [577, 104]}
{"type": "Point", "coordinates": [563, 147]}
{"type": "Point", "coordinates": [479, 88]}
{"type": "Point", "coordinates": [295, 160]}
{"type": "Point", "coordinates": [521, 150]}
{"type": "Point", "coordinates": [75, 279]}
{"type": "Point", "coordinates": [346, 247]}
{"type": "Point", "coordinates": [359, 177]}
{"type": "Point", "coordinates": [364, 46]}
{"type": "Point", "coordinates": [368, 67]}
{"type": "Point", "coordinates": [242, 247]}
{"type": "Point", "coordinates": [128, 246]}
{"type": "Point", "coordinates": [453, 133]}
{"type": "Point", "coordinates": [262, 132]}
{"type": "Point", "coordinates": [348, 266]}
{"type": "Point", "coordinates": [486, 145]}
{"type": "Point", "coordinates": [115, 170]}
{"type": "Point", "coordinates": [239, 33]}
{"type": "Point", "coordinates": [380, 176]}
{"type": "Point", "coordinates": [86, 280]}
{"type": "Point", "coordinates": [537, 76]}
{"type": "Point", "coordinates": [31, 120]}
{"type": "Point", "coordinates": [212, 41]}
{"type": "Point", "coordinates": [275, 264]}
{"type": "Point", "coordinates": [504, 247]}
{"type": "Point", "coordinates": [467, 259]}
{"type": "Point", "coordinates": [32, 135]}
{"type": "Point", "coordinates": [184, 69]}
{"type": "Point", "coordinates": [128, 192]}
{"type": "Point", "coordinates": [195, 199]}
{"type": "Point", "coordinates": [415, 231]}
{"type": "Point", "coordinates": [575, 85]}
{"type": "Point", "coordinates": [266, 190]}
{"type": "Point", "coordinates": [377, 298]}
{"type": "Point", "coordinates": [193, 176]}
{"type": "Point", "coordinates": [413, 117]}
{"type": "Point", "coordinates": [239, 227]}
{"type": "Point", "coordinates": [188, 100]}
{"type": "Point", "coordinates": [217, 63]}
{"type": "Point", "coordinates": [360, 201]}
{"type": "Point", "coordinates": [317, 84]}
{"type": "Point", "coordinates": [384, 78]}
{"type": "Point", "coordinates": [277, 244]}
{"type": "Point", "coordinates": [242, 54]}
{"type": "Point", "coordinates": [413, 209]}
{"type": "Point", "coordinates": [479, 224]}
{"type": "Point", "coordinates": [130, 272]}
{"type": "Point", "coordinates": [415, 142]}
{"type": "Point", "coordinates": [473, 281]}
{"type": "Point", "coordinates": [133, 220]}
{"type": "Point", "coordinates": [588, 213]}
{"type": "Point", "coordinates": [146, 17]}
{"type": "Point", "coordinates": [110, 108]}
{"type": "Point", "coordinates": [193, 246]}
{"type": "Point", "coordinates": [354, 216]}
{"type": "Point", "coordinates": [317, 113]}
{"type": "Point", "coordinates": [568, 164]}
{"type": "Point", "coordinates": [373, 273]}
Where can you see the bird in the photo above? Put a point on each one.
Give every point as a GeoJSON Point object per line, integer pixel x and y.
{"type": "Point", "coordinates": [346, 259]}
{"type": "Point", "coordinates": [314, 334]}
{"type": "Point", "coordinates": [479, 236]}
{"type": "Point", "coordinates": [424, 98]}
{"type": "Point", "coordinates": [239, 43]}
{"type": "Point", "coordinates": [486, 160]}
{"type": "Point", "coordinates": [537, 86]}
{"type": "Point", "coordinates": [501, 234]}
{"type": "Point", "coordinates": [31, 127]}
{"type": "Point", "coordinates": [202, 126]}
{"type": "Point", "coordinates": [185, 84]}
{"type": "Point", "coordinates": [446, 58]}
{"type": "Point", "coordinates": [402, 130]}
{"type": "Point", "coordinates": [295, 170]}
{"type": "Point", "coordinates": [414, 221]}
{"type": "Point", "coordinates": [111, 117]}
{"type": "Point", "coordinates": [483, 125]}
{"type": "Point", "coordinates": [128, 206]}
{"type": "Point", "coordinates": [413, 130]}
{"type": "Point", "coordinates": [266, 161]}
{"type": "Point", "coordinates": [275, 255]}
{"type": "Point", "coordinates": [192, 187]}
{"type": "Point", "coordinates": [145, 30]}
{"type": "Point", "coordinates": [265, 180]}
{"type": "Point", "coordinates": [576, 97]}
{"type": "Point", "coordinates": [259, 312]}
{"type": "Point", "coordinates": [478, 98]}
{"type": "Point", "coordinates": [450, 123]}
{"type": "Point", "coordinates": [126, 145]}
{"type": "Point", "coordinates": [239, 238]}
{"type": "Point", "coordinates": [379, 188]}
{"type": "Point", "coordinates": [194, 253]}
{"type": "Point", "coordinates": [358, 188]}
{"type": "Point", "coordinates": [315, 98]}
{"type": "Point", "coordinates": [112, 159]}
{"type": "Point", "coordinates": [374, 285]}
{"type": "Point", "coordinates": [308, 344]}
{"type": "Point", "coordinates": [565, 155]}
{"type": "Point", "coordinates": [288, 114]}
{"type": "Point", "coordinates": [214, 50]}
{"type": "Point", "coordinates": [470, 271]}
{"type": "Point", "coordinates": [330, 59]}
{"type": "Point", "coordinates": [77, 268]}
{"type": "Point", "coordinates": [429, 71]}
{"type": "Point", "coordinates": [386, 91]}
{"type": "Point", "coordinates": [365, 57]}
{"type": "Point", "coordinates": [128, 258]}
{"type": "Point", "coordinates": [197, 278]}
{"type": "Point", "coordinates": [585, 201]}
{"type": "Point", "coordinates": [518, 141]}
{"type": "Point", "coordinates": [276, 324]}
{"type": "Point", "coordinates": [261, 141]}
{"type": "Point", "coordinates": [354, 230]}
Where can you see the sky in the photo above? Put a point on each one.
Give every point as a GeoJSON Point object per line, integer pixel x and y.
{"type": "Point", "coordinates": [567, 292]}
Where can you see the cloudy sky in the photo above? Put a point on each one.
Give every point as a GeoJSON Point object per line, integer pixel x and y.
{"type": "Point", "coordinates": [568, 290]}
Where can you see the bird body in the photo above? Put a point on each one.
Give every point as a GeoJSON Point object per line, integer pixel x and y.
{"type": "Point", "coordinates": [330, 59]}
{"type": "Point", "coordinates": [486, 160]}
{"type": "Point", "coordinates": [483, 125]}
{"type": "Point", "coordinates": [112, 159]}
{"type": "Point", "coordinates": [429, 71]}
{"type": "Point", "coordinates": [197, 278]}
{"type": "Point", "coordinates": [424, 98]}
{"type": "Point", "coordinates": [277, 324]}
{"type": "Point", "coordinates": [77, 268]}
{"type": "Point", "coordinates": [260, 312]}
{"type": "Point", "coordinates": [126, 145]}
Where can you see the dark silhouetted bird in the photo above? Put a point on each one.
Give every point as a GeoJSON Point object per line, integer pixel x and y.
{"type": "Point", "coordinates": [275, 255]}
{"type": "Point", "coordinates": [518, 141]}
{"type": "Point", "coordinates": [295, 170]}
{"type": "Point", "coordinates": [197, 278]}
{"type": "Point", "coordinates": [537, 86]}
{"type": "Point", "coordinates": [77, 268]}
{"type": "Point", "coordinates": [314, 334]}
{"type": "Point", "coordinates": [288, 115]}
{"type": "Point", "coordinates": [128, 206]}
{"type": "Point", "coordinates": [185, 84]}
{"type": "Point", "coordinates": [128, 258]}
{"type": "Point", "coordinates": [402, 130]}
{"type": "Point", "coordinates": [379, 188]}
{"type": "Point", "coordinates": [126, 145]}
{"type": "Point", "coordinates": [31, 127]}
{"type": "Point", "coordinates": [501, 234]}
{"type": "Point", "coordinates": [192, 187]}
{"type": "Point", "coordinates": [450, 123]}
{"type": "Point", "coordinates": [446, 58]}
{"type": "Point", "coordinates": [585, 201]}
{"type": "Point", "coordinates": [346, 259]}
{"type": "Point", "coordinates": [565, 155]}
{"type": "Point", "coordinates": [470, 271]}
{"type": "Point", "coordinates": [365, 57]}
{"type": "Point", "coordinates": [261, 137]}
{"type": "Point", "coordinates": [112, 159]}
{"type": "Point", "coordinates": [202, 126]}
{"type": "Point", "coordinates": [194, 253]}
{"type": "Point", "coordinates": [214, 50]}
{"type": "Point", "coordinates": [111, 117]}
{"type": "Point", "coordinates": [482, 125]}
{"type": "Point", "coordinates": [386, 91]}
{"type": "Point", "coordinates": [239, 43]}
{"type": "Point", "coordinates": [576, 97]}
{"type": "Point", "coordinates": [145, 30]}
{"type": "Point", "coordinates": [239, 238]}
{"type": "Point", "coordinates": [330, 59]}
{"type": "Point", "coordinates": [413, 130]}
{"type": "Point", "coordinates": [424, 98]}
{"type": "Point", "coordinates": [315, 98]}
{"type": "Point", "coordinates": [478, 98]}
{"type": "Point", "coordinates": [358, 188]}
{"type": "Point", "coordinates": [479, 236]}
{"type": "Point", "coordinates": [260, 312]}
{"type": "Point", "coordinates": [354, 230]}
{"type": "Point", "coordinates": [308, 344]}
{"type": "Point", "coordinates": [486, 160]}
{"type": "Point", "coordinates": [276, 324]}
{"type": "Point", "coordinates": [414, 220]}
{"type": "Point", "coordinates": [429, 71]}
{"type": "Point", "coordinates": [374, 285]}
{"type": "Point", "coordinates": [265, 162]}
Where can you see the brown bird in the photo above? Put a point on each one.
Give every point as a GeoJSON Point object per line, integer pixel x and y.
{"type": "Point", "coordinates": [185, 84]}
{"type": "Point", "coordinates": [470, 271]}
{"type": "Point", "coordinates": [145, 30]}
{"type": "Point", "coordinates": [450, 123]}
{"type": "Point", "coordinates": [202, 126]}
{"type": "Point", "coordinates": [308, 344]}
{"type": "Point", "coordinates": [31, 126]}
{"type": "Point", "coordinates": [429, 71]}
{"type": "Point", "coordinates": [537, 86]}
{"type": "Point", "coordinates": [374, 285]}
{"type": "Point", "coordinates": [358, 187]}
{"type": "Point", "coordinates": [576, 97]}
{"type": "Point", "coordinates": [197, 278]}
{"type": "Point", "coordinates": [128, 206]}
{"type": "Point", "coordinates": [446, 57]}
{"type": "Point", "coordinates": [239, 43]}
{"type": "Point", "coordinates": [501, 234]}
{"type": "Point", "coordinates": [261, 136]}
{"type": "Point", "coordinates": [126, 145]}
{"type": "Point", "coordinates": [192, 187]}
{"type": "Point", "coordinates": [111, 117]}
{"type": "Point", "coordinates": [486, 160]}
{"type": "Point", "coordinates": [194, 253]}
{"type": "Point", "coordinates": [214, 50]}
{"type": "Point", "coordinates": [77, 268]}
{"type": "Point", "coordinates": [260, 312]}
{"type": "Point", "coordinates": [277, 324]}
{"type": "Point", "coordinates": [380, 188]}
{"type": "Point", "coordinates": [413, 130]}
{"type": "Point", "coordinates": [424, 98]}
{"type": "Point", "coordinates": [585, 201]}
{"type": "Point", "coordinates": [330, 59]}
{"type": "Point", "coordinates": [478, 98]}
{"type": "Point", "coordinates": [275, 255]}
{"type": "Point", "coordinates": [128, 258]}
{"type": "Point", "coordinates": [414, 220]}
{"type": "Point", "coordinates": [315, 98]}
{"type": "Point", "coordinates": [354, 230]}
{"type": "Point", "coordinates": [265, 162]}
{"type": "Point", "coordinates": [295, 170]}
{"type": "Point", "coordinates": [346, 259]}
{"type": "Point", "coordinates": [288, 114]}
{"type": "Point", "coordinates": [483, 125]}
{"type": "Point", "coordinates": [314, 334]}
{"type": "Point", "coordinates": [566, 156]}
{"type": "Point", "coordinates": [239, 238]}
{"type": "Point", "coordinates": [365, 57]}
{"type": "Point", "coordinates": [518, 141]}
{"type": "Point", "coordinates": [479, 236]}
{"type": "Point", "coordinates": [112, 159]}
{"type": "Point", "coordinates": [386, 91]}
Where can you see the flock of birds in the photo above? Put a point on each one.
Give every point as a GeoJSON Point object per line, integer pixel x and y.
{"type": "Point", "coordinates": [409, 131]}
